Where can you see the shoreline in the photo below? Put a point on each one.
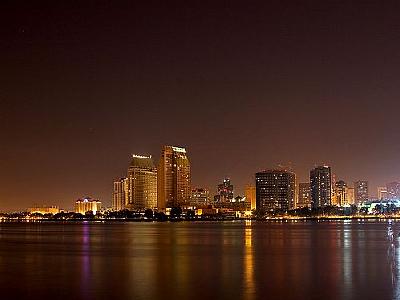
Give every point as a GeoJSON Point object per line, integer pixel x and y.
{"type": "Point", "coordinates": [206, 220]}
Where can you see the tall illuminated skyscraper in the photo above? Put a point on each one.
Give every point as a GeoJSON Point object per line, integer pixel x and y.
{"type": "Point", "coordinates": [275, 190]}
{"type": "Point", "coordinates": [250, 194]}
{"type": "Point", "coordinates": [173, 178]}
{"type": "Point", "coordinates": [321, 186]}
{"type": "Point", "coordinates": [120, 194]}
{"type": "Point", "coordinates": [393, 190]}
{"type": "Point", "coordinates": [340, 193]}
{"type": "Point", "coordinates": [304, 196]}
{"type": "Point", "coordinates": [141, 183]}
{"type": "Point", "coordinates": [361, 191]}
{"type": "Point", "coordinates": [225, 192]}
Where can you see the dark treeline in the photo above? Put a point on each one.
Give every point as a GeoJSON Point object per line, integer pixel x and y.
{"type": "Point", "coordinates": [177, 214]}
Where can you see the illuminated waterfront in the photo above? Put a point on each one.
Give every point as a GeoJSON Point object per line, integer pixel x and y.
{"type": "Point", "coordinates": [226, 260]}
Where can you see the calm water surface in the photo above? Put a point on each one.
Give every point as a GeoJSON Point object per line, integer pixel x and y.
{"type": "Point", "coordinates": [230, 260]}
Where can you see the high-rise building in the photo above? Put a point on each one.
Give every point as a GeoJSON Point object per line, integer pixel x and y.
{"type": "Point", "coordinates": [321, 186]}
{"type": "Point", "coordinates": [361, 191]}
{"type": "Point", "coordinates": [225, 192]}
{"type": "Point", "coordinates": [199, 196]}
{"type": "Point", "coordinates": [120, 193]}
{"type": "Point", "coordinates": [87, 204]}
{"type": "Point", "coordinates": [393, 190]}
{"type": "Point", "coordinates": [275, 190]}
{"type": "Point", "coordinates": [304, 195]}
{"type": "Point", "coordinates": [351, 195]}
{"type": "Point", "coordinates": [340, 193]}
{"type": "Point", "coordinates": [250, 194]}
{"type": "Point", "coordinates": [141, 183]}
{"type": "Point", "coordinates": [173, 178]}
{"type": "Point", "coordinates": [382, 193]}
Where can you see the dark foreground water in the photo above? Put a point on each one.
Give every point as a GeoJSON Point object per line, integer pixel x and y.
{"type": "Point", "coordinates": [231, 260]}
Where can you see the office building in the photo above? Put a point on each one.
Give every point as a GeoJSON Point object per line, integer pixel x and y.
{"type": "Point", "coordinates": [361, 191]}
{"type": "Point", "coordinates": [382, 193]}
{"type": "Point", "coordinates": [199, 196]}
{"type": "Point", "coordinates": [393, 190]}
{"type": "Point", "coordinates": [321, 186]}
{"type": "Point", "coordinates": [120, 194]}
{"type": "Point", "coordinates": [275, 190]}
{"type": "Point", "coordinates": [225, 192]}
{"type": "Point", "coordinates": [340, 194]}
{"type": "Point", "coordinates": [141, 183]}
{"type": "Point", "coordinates": [174, 178]}
{"type": "Point", "coordinates": [87, 204]}
{"type": "Point", "coordinates": [304, 195]}
{"type": "Point", "coordinates": [250, 194]}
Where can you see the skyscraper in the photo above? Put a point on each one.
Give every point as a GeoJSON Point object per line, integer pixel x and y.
{"type": "Point", "coordinates": [173, 178]}
{"type": "Point", "coordinates": [382, 192]}
{"type": "Point", "coordinates": [250, 194]}
{"type": "Point", "coordinates": [225, 191]}
{"type": "Point", "coordinates": [393, 190]}
{"type": "Point", "coordinates": [321, 186]}
{"type": "Point", "coordinates": [350, 195]}
{"type": "Point", "coordinates": [361, 191]}
{"type": "Point", "coordinates": [120, 191]}
{"type": "Point", "coordinates": [304, 199]}
{"type": "Point", "coordinates": [199, 196]}
{"type": "Point", "coordinates": [340, 193]}
{"type": "Point", "coordinates": [141, 183]}
{"type": "Point", "coordinates": [275, 190]}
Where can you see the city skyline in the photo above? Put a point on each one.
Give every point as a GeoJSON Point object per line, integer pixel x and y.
{"type": "Point", "coordinates": [244, 87]}
{"type": "Point", "coordinates": [214, 187]}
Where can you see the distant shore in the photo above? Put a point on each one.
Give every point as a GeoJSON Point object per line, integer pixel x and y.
{"type": "Point", "coordinates": [269, 219]}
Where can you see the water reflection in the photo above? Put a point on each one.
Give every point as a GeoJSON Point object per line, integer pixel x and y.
{"type": "Point", "coordinates": [232, 260]}
{"type": "Point", "coordinates": [249, 287]}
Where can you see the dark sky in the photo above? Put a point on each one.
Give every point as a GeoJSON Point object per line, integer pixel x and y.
{"type": "Point", "coordinates": [243, 86]}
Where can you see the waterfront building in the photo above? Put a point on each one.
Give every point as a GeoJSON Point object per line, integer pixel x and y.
{"type": "Point", "coordinates": [174, 178]}
{"type": "Point", "coordinates": [199, 196]}
{"type": "Point", "coordinates": [141, 183]}
{"type": "Point", "coordinates": [120, 194]}
{"type": "Point", "coordinates": [382, 193]}
{"type": "Point", "coordinates": [44, 209]}
{"type": "Point", "coordinates": [87, 204]}
{"type": "Point", "coordinates": [304, 195]}
{"type": "Point", "coordinates": [340, 194]}
{"type": "Point", "coordinates": [321, 186]}
{"type": "Point", "coordinates": [351, 195]}
{"type": "Point", "coordinates": [250, 194]}
{"type": "Point", "coordinates": [225, 192]}
{"type": "Point", "coordinates": [275, 190]}
{"type": "Point", "coordinates": [393, 190]}
{"type": "Point", "coordinates": [361, 191]}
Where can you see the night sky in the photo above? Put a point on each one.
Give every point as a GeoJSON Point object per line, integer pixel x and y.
{"type": "Point", "coordinates": [242, 86]}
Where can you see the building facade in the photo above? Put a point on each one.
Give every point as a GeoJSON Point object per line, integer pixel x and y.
{"type": "Point", "coordinates": [44, 210]}
{"type": "Point", "coordinates": [87, 204]}
{"type": "Point", "coordinates": [321, 186]}
{"type": "Point", "coordinates": [120, 194]}
{"type": "Point", "coordinates": [141, 183]}
{"type": "Point", "coordinates": [250, 194]}
{"type": "Point", "coordinates": [382, 193]}
{"type": "Point", "coordinates": [174, 178]}
{"type": "Point", "coordinates": [224, 192]}
{"type": "Point", "coordinates": [340, 194]}
{"type": "Point", "coordinates": [361, 191]}
{"type": "Point", "coordinates": [275, 190]}
{"type": "Point", "coordinates": [304, 195]}
{"type": "Point", "coordinates": [200, 196]}
{"type": "Point", "coordinates": [393, 190]}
